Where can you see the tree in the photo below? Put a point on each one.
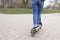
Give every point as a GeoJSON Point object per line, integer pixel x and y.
{"type": "Point", "coordinates": [17, 3]}
{"type": "Point", "coordinates": [57, 4]}
{"type": "Point", "coordinates": [25, 2]}
{"type": "Point", "coordinates": [54, 5]}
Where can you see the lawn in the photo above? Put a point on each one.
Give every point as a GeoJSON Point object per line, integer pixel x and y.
{"type": "Point", "coordinates": [24, 11]}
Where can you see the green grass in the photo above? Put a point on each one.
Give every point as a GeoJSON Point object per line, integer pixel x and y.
{"type": "Point", "coordinates": [24, 11]}
{"type": "Point", "coordinates": [50, 11]}
{"type": "Point", "coordinates": [15, 10]}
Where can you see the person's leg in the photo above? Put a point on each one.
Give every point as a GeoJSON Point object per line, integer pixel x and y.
{"type": "Point", "coordinates": [35, 13]}
{"type": "Point", "coordinates": [40, 7]}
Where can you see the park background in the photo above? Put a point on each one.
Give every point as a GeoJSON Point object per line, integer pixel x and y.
{"type": "Point", "coordinates": [25, 6]}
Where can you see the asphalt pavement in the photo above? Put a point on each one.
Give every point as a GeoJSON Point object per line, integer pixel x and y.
{"type": "Point", "coordinates": [18, 27]}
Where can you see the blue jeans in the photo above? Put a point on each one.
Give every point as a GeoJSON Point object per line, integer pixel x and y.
{"type": "Point", "coordinates": [37, 9]}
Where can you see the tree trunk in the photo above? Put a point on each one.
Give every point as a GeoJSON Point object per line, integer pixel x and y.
{"type": "Point", "coordinates": [25, 2]}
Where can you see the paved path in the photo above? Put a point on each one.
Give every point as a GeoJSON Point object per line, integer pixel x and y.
{"type": "Point", "coordinates": [18, 26]}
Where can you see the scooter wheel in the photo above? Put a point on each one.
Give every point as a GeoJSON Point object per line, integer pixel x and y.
{"type": "Point", "coordinates": [33, 32]}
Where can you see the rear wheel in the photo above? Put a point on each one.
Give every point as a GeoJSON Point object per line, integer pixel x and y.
{"type": "Point", "coordinates": [33, 32]}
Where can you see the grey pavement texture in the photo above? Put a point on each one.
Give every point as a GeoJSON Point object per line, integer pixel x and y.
{"type": "Point", "coordinates": [18, 26]}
